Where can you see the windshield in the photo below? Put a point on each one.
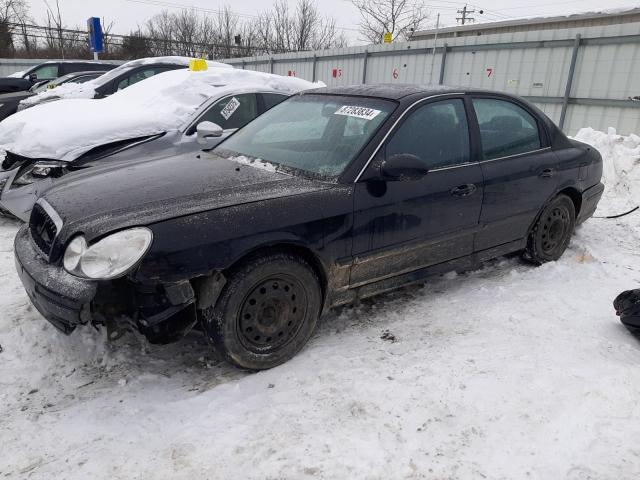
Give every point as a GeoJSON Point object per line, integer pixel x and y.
{"type": "Point", "coordinates": [320, 134]}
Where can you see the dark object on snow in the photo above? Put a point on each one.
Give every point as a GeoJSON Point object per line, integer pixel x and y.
{"type": "Point", "coordinates": [360, 190]}
{"type": "Point", "coordinates": [388, 336]}
{"type": "Point", "coordinates": [627, 306]}
{"type": "Point", "coordinates": [49, 71]}
{"type": "Point", "coordinates": [621, 214]}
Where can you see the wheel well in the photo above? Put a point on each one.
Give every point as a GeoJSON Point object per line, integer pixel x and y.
{"type": "Point", "coordinates": [575, 197]}
{"type": "Point", "coordinates": [294, 249]}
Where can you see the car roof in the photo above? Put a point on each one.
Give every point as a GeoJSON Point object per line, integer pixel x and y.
{"type": "Point", "coordinates": [85, 72]}
{"type": "Point", "coordinates": [393, 91]}
{"type": "Point", "coordinates": [95, 62]}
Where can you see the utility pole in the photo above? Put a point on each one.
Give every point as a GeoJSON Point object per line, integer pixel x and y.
{"type": "Point", "coordinates": [465, 15]}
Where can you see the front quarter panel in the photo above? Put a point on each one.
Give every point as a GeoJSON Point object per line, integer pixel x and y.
{"type": "Point", "coordinates": [196, 245]}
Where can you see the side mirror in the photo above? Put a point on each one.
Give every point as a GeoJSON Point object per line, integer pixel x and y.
{"type": "Point", "coordinates": [33, 77]}
{"type": "Point", "coordinates": [206, 130]}
{"type": "Point", "coordinates": [403, 166]}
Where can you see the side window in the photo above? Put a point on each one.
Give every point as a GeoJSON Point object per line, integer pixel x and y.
{"type": "Point", "coordinates": [138, 77]}
{"type": "Point", "coordinates": [45, 72]}
{"type": "Point", "coordinates": [233, 112]}
{"type": "Point", "coordinates": [505, 128]}
{"type": "Point", "coordinates": [272, 99]}
{"type": "Point", "coordinates": [437, 132]}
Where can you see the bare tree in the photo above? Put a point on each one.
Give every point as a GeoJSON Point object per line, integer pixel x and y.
{"type": "Point", "coordinates": [399, 17]}
{"type": "Point", "coordinates": [280, 30]}
{"type": "Point", "coordinates": [227, 31]}
{"type": "Point", "coordinates": [55, 27]}
{"type": "Point", "coordinates": [135, 45]}
{"type": "Point", "coordinates": [106, 36]}
{"type": "Point", "coordinates": [11, 12]}
{"type": "Point", "coordinates": [160, 29]}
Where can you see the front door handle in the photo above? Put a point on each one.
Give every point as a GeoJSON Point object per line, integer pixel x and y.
{"type": "Point", "coordinates": [463, 190]}
{"type": "Point", "coordinates": [547, 173]}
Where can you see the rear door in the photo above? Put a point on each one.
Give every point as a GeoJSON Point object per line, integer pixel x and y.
{"type": "Point", "coordinates": [519, 169]}
{"type": "Point", "coordinates": [402, 226]}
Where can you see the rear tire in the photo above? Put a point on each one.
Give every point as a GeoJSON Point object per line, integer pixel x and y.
{"type": "Point", "coordinates": [552, 232]}
{"type": "Point", "coordinates": [266, 312]}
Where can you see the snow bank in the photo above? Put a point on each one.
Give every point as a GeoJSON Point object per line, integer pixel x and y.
{"type": "Point", "coordinates": [88, 89]}
{"type": "Point", "coordinates": [621, 167]}
{"type": "Point", "coordinates": [508, 372]}
{"type": "Point", "coordinates": [68, 128]}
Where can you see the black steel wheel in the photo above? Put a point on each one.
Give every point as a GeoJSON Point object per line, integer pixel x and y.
{"type": "Point", "coordinates": [266, 312]}
{"type": "Point", "coordinates": [552, 231]}
{"type": "Point", "coordinates": [272, 313]}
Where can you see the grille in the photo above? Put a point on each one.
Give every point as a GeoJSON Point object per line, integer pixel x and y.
{"type": "Point", "coordinates": [43, 229]}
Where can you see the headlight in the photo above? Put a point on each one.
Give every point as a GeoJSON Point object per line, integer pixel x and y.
{"type": "Point", "coordinates": [38, 171]}
{"type": "Point", "coordinates": [111, 257]}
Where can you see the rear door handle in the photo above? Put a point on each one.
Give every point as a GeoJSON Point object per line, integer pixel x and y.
{"type": "Point", "coordinates": [547, 173]}
{"type": "Point", "coordinates": [463, 190]}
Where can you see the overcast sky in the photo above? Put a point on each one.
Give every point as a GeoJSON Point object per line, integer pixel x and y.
{"type": "Point", "coordinates": [127, 14]}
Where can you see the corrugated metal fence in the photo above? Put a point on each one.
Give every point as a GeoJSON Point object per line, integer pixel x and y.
{"type": "Point", "coordinates": [580, 77]}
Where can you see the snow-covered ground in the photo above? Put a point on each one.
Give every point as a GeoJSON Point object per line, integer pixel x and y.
{"type": "Point", "coordinates": [508, 372]}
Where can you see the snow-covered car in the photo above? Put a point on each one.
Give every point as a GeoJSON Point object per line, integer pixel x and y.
{"type": "Point", "coordinates": [169, 114]}
{"type": "Point", "coordinates": [20, 81]}
{"type": "Point", "coordinates": [117, 79]}
{"type": "Point", "coordinates": [9, 101]}
{"type": "Point", "coordinates": [333, 195]}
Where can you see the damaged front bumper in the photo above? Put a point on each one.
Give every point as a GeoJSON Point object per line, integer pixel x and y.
{"type": "Point", "coordinates": [163, 312]}
{"type": "Point", "coordinates": [61, 298]}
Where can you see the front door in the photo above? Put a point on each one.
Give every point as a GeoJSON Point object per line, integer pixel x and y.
{"type": "Point", "coordinates": [520, 172]}
{"type": "Point", "coordinates": [402, 226]}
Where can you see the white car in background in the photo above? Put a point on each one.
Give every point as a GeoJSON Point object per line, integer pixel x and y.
{"type": "Point", "coordinates": [171, 113]}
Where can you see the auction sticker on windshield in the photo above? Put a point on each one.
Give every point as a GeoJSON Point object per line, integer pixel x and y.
{"type": "Point", "coordinates": [359, 112]}
{"type": "Point", "coordinates": [229, 108]}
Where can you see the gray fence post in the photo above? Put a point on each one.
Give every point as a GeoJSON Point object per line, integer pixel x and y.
{"type": "Point", "coordinates": [313, 68]}
{"type": "Point", "coordinates": [270, 64]}
{"type": "Point", "coordinates": [364, 66]}
{"type": "Point", "coordinates": [567, 91]}
{"type": "Point", "coordinates": [443, 63]}
{"type": "Point", "coordinates": [243, 62]}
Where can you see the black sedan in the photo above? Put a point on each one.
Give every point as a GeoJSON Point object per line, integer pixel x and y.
{"type": "Point", "coordinates": [9, 101]}
{"type": "Point", "coordinates": [21, 81]}
{"type": "Point", "coordinates": [333, 195]}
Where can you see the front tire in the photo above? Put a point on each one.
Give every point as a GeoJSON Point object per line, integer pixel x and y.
{"type": "Point", "coordinates": [552, 232]}
{"type": "Point", "coordinates": [266, 312]}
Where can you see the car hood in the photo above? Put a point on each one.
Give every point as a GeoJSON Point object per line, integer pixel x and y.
{"type": "Point", "coordinates": [111, 197]}
{"type": "Point", "coordinates": [66, 129]}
